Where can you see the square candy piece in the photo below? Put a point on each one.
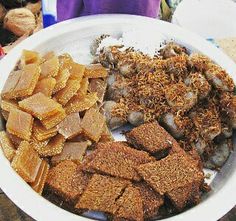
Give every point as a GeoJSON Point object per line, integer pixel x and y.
{"type": "Point", "coordinates": [101, 194]}
{"type": "Point", "coordinates": [92, 124]}
{"type": "Point", "coordinates": [61, 80]}
{"type": "Point", "coordinates": [64, 95]}
{"type": "Point", "coordinates": [117, 159]}
{"type": "Point", "coordinates": [95, 71]}
{"type": "Point", "coordinates": [150, 137]}
{"type": "Point", "coordinates": [54, 120]}
{"type": "Point", "coordinates": [40, 106]}
{"type": "Point", "coordinates": [26, 162]}
{"type": "Point", "coordinates": [7, 146]}
{"type": "Point", "coordinates": [21, 83]}
{"type": "Point", "coordinates": [7, 105]}
{"type": "Point", "coordinates": [130, 206]}
{"type": "Point", "coordinates": [20, 124]}
{"type": "Point", "coordinates": [170, 173]}
{"type": "Point", "coordinates": [77, 71]}
{"type": "Point", "coordinates": [151, 200]}
{"type": "Point", "coordinates": [50, 67]}
{"type": "Point", "coordinates": [29, 57]}
{"type": "Point", "coordinates": [74, 151]}
{"type": "Point", "coordinates": [41, 133]}
{"type": "Point", "coordinates": [78, 103]}
{"type": "Point", "coordinates": [40, 179]}
{"type": "Point", "coordinates": [84, 84]}
{"type": "Point", "coordinates": [99, 86]}
{"type": "Point", "coordinates": [54, 147]}
{"type": "Point", "coordinates": [70, 126]}
{"type": "Point", "coordinates": [65, 61]}
{"type": "Point", "coordinates": [45, 86]}
{"type": "Point", "coordinates": [67, 181]}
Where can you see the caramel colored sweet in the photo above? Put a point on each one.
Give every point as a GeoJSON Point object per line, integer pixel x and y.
{"type": "Point", "coordinates": [61, 80]}
{"type": "Point", "coordinates": [40, 106]}
{"type": "Point", "coordinates": [74, 151]}
{"type": "Point", "coordinates": [45, 86]}
{"type": "Point", "coordinates": [7, 146]}
{"type": "Point", "coordinates": [98, 86]}
{"type": "Point", "coordinates": [150, 137]}
{"type": "Point", "coordinates": [50, 67]}
{"type": "Point", "coordinates": [21, 83]}
{"type": "Point", "coordinates": [54, 120]}
{"type": "Point", "coordinates": [48, 56]}
{"type": "Point", "coordinates": [106, 135]}
{"type": "Point", "coordinates": [54, 147]}
{"type": "Point", "coordinates": [41, 177]}
{"type": "Point", "coordinates": [92, 124]}
{"type": "Point", "coordinates": [5, 114]}
{"type": "Point", "coordinates": [77, 71]}
{"type": "Point", "coordinates": [67, 181]}
{"type": "Point", "coordinates": [20, 124]}
{"type": "Point", "coordinates": [26, 162]}
{"type": "Point", "coordinates": [101, 194]}
{"type": "Point", "coordinates": [70, 126]}
{"type": "Point", "coordinates": [83, 87]}
{"type": "Point", "coordinates": [151, 200]}
{"type": "Point", "coordinates": [170, 173]}
{"type": "Point", "coordinates": [117, 159]}
{"type": "Point", "coordinates": [7, 105]}
{"type": "Point", "coordinates": [130, 205]}
{"type": "Point", "coordinates": [38, 145]}
{"type": "Point", "coordinates": [64, 95]}
{"type": "Point", "coordinates": [41, 133]}
{"type": "Point", "coordinates": [78, 104]}
{"type": "Point", "coordinates": [14, 139]}
{"type": "Point", "coordinates": [29, 57]}
{"type": "Point", "coordinates": [65, 61]}
{"type": "Point", "coordinates": [95, 71]}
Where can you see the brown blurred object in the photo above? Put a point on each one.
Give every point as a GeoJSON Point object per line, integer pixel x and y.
{"type": "Point", "coordinates": [2, 12]}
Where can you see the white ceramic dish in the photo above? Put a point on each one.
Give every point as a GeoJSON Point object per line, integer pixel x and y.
{"type": "Point", "coordinates": [74, 36]}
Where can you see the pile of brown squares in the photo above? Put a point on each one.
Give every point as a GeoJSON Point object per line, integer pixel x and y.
{"type": "Point", "coordinates": [48, 102]}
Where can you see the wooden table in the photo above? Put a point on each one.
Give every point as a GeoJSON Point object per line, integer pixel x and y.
{"type": "Point", "coordinates": [10, 212]}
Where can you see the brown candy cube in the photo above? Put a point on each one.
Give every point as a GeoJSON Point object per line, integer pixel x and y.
{"type": "Point", "coordinates": [61, 80]}
{"type": "Point", "coordinates": [7, 146]}
{"type": "Point", "coordinates": [50, 67]}
{"type": "Point", "coordinates": [45, 86]}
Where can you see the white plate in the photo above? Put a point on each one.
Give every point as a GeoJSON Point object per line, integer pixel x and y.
{"type": "Point", "coordinates": [75, 36]}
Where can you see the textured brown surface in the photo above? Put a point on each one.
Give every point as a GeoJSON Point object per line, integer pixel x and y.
{"type": "Point", "coordinates": [170, 173]}
{"type": "Point", "coordinates": [150, 137]}
{"type": "Point", "coordinates": [118, 159]}
{"type": "Point", "coordinates": [101, 194]}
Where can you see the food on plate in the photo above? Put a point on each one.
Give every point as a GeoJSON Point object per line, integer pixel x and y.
{"type": "Point", "coordinates": [59, 117]}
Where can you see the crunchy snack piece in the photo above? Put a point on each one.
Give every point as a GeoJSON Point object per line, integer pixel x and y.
{"type": "Point", "coordinates": [50, 67]}
{"type": "Point", "coordinates": [151, 200]}
{"type": "Point", "coordinates": [54, 147]}
{"type": "Point", "coordinates": [21, 83]}
{"type": "Point", "coordinates": [41, 177]}
{"type": "Point", "coordinates": [198, 62]}
{"type": "Point", "coordinates": [150, 137]}
{"type": "Point", "coordinates": [20, 124]}
{"type": "Point", "coordinates": [99, 86]}
{"type": "Point", "coordinates": [65, 61]}
{"type": "Point", "coordinates": [67, 181]}
{"type": "Point", "coordinates": [74, 151]}
{"type": "Point", "coordinates": [29, 57]}
{"type": "Point", "coordinates": [54, 120]}
{"type": "Point", "coordinates": [172, 172]}
{"type": "Point", "coordinates": [70, 126]}
{"type": "Point", "coordinates": [40, 106]}
{"type": "Point", "coordinates": [106, 135]}
{"type": "Point", "coordinates": [45, 86]}
{"type": "Point", "coordinates": [7, 105]}
{"type": "Point", "coordinates": [7, 146]}
{"type": "Point", "coordinates": [47, 56]}
{"type": "Point", "coordinates": [117, 159]}
{"type": "Point", "coordinates": [77, 71]}
{"type": "Point", "coordinates": [14, 139]}
{"type": "Point", "coordinates": [95, 71]}
{"type": "Point", "coordinates": [61, 80]}
{"type": "Point", "coordinates": [78, 103]}
{"type": "Point", "coordinates": [26, 162]}
{"type": "Point", "coordinates": [130, 206]}
{"type": "Point", "coordinates": [92, 124]}
{"type": "Point", "coordinates": [101, 194]}
{"type": "Point", "coordinates": [64, 95]}
{"type": "Point", "coordinates": [186, 195]}
{"type": "Point", "coordinates": [84, 84]}
{"type": "Point", "coordinates": [41, 133]}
